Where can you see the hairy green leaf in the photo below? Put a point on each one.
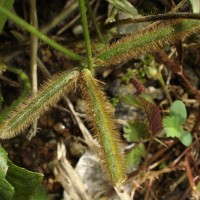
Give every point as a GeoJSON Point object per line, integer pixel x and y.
{"type": "Point", "coordinates": [178, 109]}
{"type": "Point", "coordinates": [172, 126]}
{"type": "Point", "coordinates": [101, 117]}
{"type": "Point", "coordinates": [150, 39]}
{"type": "Point", "coordinates": [186, 138]}
{"type": "Point", "coordinates": [134, 132]}
{"type": "Point", "coordinates": [125, 6]}
{"type": "Point", "coordinates": [35, 105]}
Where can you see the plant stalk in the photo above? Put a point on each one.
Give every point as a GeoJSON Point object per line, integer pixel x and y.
{"type": "Point", "coordinates": [37, 33]}
{"type": "Point", "coordinates": [100, 36]}
{"type": "Point", "coordinates": [33, 61]}
{"type": "Point", "coordinates": [86, 34]}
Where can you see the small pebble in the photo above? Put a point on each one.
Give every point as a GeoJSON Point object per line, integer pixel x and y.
{"type": "Point", "coordinates": [59, 127]}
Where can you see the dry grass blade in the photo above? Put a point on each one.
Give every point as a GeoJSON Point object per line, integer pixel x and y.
{"type": "Point", "coordinates": [69, 178]}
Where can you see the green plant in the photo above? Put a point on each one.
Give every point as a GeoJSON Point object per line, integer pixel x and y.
{"type": "Point", "coordinates": [173, 124]}
{"type": "Point", "coordinates": [16, 182]}
{"type": "Point", "coordinates": [100, 114]}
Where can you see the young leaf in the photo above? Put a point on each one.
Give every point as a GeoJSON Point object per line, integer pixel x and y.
{"type": "Point", "coordinates": [7, 4]}
{"type": "Point", "coordinates": [134, 157]}
{"type": "Point", "coordinates": [125, 6]}
{"type": "Point", "coordinates": [186, 138]}
{"type": "Point", "coordinates": [138, 86]}
{"type": "Point", "coordinates": [153, 115]}
{"type": "Point", "coordinates": [148, 104]}
{"type": "Point", "coordinates": [135, 132]}
{"type": "Point", "coordinates": [178, 109]}
{"type": "Point", "coordinates": [173, 126]}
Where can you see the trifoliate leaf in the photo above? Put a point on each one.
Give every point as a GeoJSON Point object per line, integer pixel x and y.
{"type": "Point", "coordinates": [178, 109]}
{"type": "Point", "coordinates": [173, 126]}
{"type": "Point", "coordinates": [186, 138]}
{"type": "Point", "coordinates": [134, 157]}
{"type": "Point", "coordinates": [125, 6]}
{"type": "Point", "coordinates": [134, 132]}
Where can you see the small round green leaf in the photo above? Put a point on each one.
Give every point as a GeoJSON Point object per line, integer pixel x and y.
{"type": "Point", "coordinates": [186, 138]}
{"type": "Point", "coordinates": [178, 109]}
